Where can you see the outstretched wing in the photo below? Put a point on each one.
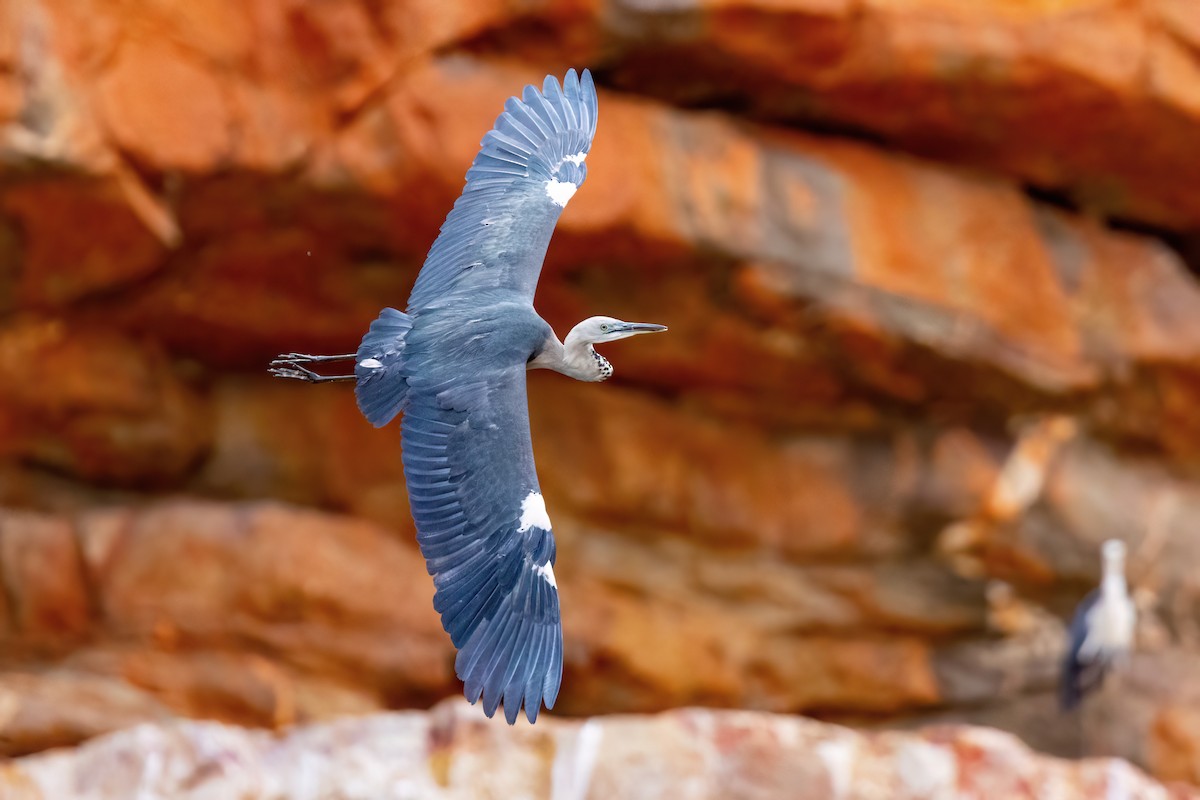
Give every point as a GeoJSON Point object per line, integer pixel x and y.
{"type": "Point", "coordinates": [455, 364]}
{"type": "Point", "coordinates": [483, 529]}
{"type": "Point", "coordinates": [528, 167]}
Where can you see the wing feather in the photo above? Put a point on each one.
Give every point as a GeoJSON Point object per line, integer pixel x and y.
{"type": "Point", "coordinates": [558, 101]}
{"type": "Point", "coordinates": [455, 364]}
{"type": "Point", "coordinates": [495, 237]}
{"type": "Point", "coordinates": [468, 460]}
{"type": "Point", "coordinates": [1080, 675]}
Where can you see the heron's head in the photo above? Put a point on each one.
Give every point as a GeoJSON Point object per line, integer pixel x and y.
{"type": "Point", "coordinates": [585, 363]}
{"type": "Point", "coordinates": [595, 330]}
{"type": "Point", "coordinates": [1113, 552]}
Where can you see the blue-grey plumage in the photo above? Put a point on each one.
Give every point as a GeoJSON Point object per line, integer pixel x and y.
{"type": "Point", "coordinates": [1101, 632]}
{"type": "Point", "coordinates": [379, 365]}
{"type": "Point", "coordinates": [528, 167]}
{"type": "Point", "coordinates": [454, 365]}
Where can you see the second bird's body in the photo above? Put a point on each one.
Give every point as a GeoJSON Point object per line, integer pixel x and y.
{"type": "Point", "coordinates": [1101, 632]}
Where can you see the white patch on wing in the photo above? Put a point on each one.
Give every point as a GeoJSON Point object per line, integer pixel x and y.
{"type": "Point", "coordinates": [560, 191]}
{"type": "Point", "coordinates": [533, 513]}
{"type": "Point", "coordinates": [371, 363]}
{"type": "Point", "coordinates": [547, 572]}
{"type": "Point", "coordinates": [576, 159]}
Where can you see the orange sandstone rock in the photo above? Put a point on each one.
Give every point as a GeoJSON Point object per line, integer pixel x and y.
{"type": "Point", "coordinates": [693, 753]}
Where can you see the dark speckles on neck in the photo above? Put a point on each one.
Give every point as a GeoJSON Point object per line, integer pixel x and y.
{"type": "Point", "coordinates": [605, 369]}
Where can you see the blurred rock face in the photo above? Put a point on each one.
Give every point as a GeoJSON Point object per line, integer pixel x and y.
{"type": "Point", "coordinates": [452, 752]}
{"type": "Point", "coordinates": [893, 377]}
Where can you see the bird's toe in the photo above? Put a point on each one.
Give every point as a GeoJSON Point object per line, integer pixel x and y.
{"type": "Point", "coordinates": [292, 371]}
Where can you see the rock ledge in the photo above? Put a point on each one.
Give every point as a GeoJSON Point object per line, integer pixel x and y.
{"type": "Point", "coordinates": [452, 751]}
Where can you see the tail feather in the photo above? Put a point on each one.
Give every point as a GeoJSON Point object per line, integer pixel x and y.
{"type": "Point", "coordinates": [379, 367]}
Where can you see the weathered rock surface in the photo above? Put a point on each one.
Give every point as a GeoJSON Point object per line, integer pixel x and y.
{"type": "Point", "coordinates": [97, 405]}
{"type": "Point", "coordinates": [454, 752]}
{"type": "Point", "coordinates": [1096, 99]}
{"type": "Point", "coordinates": [890, 384]}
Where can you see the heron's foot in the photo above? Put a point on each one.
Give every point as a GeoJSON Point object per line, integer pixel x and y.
{"type": "Point", "coordinates": [304, 358]}
{"type": "Point", "coordinates": [291, 365]}
{"type": "Point", "coordinates": [290, 369]}
{"type": "Point", "coordinates": [283, 368]}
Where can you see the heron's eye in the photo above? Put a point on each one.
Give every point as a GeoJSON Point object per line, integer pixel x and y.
{"type": "Point", "coordinates": [604, 328]}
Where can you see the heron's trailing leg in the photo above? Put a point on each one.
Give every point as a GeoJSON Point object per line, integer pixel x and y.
{"type": "Point", "coordinates": [289, 365]}
{"type": "Point", "coordinates": [296, 358]}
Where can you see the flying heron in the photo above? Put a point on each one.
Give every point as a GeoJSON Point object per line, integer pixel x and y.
{"type": "Point", "coordinates": [454, 363]}
{"type": "Point", "coordinates": [1101, 632]}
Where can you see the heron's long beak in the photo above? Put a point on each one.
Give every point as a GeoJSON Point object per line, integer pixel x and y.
{"type": "Point", "coordinates": [631, 328]}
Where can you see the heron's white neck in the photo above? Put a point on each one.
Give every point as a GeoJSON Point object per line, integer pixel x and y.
{"type": "Point", "coordinates": [582, 360]}
{"type": "Point", "coordinates": [1112, 625]}
{"type": "Point", "coordinates": [1113, 586]}
{"type": "Point", "coordinates": [576, 358]}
